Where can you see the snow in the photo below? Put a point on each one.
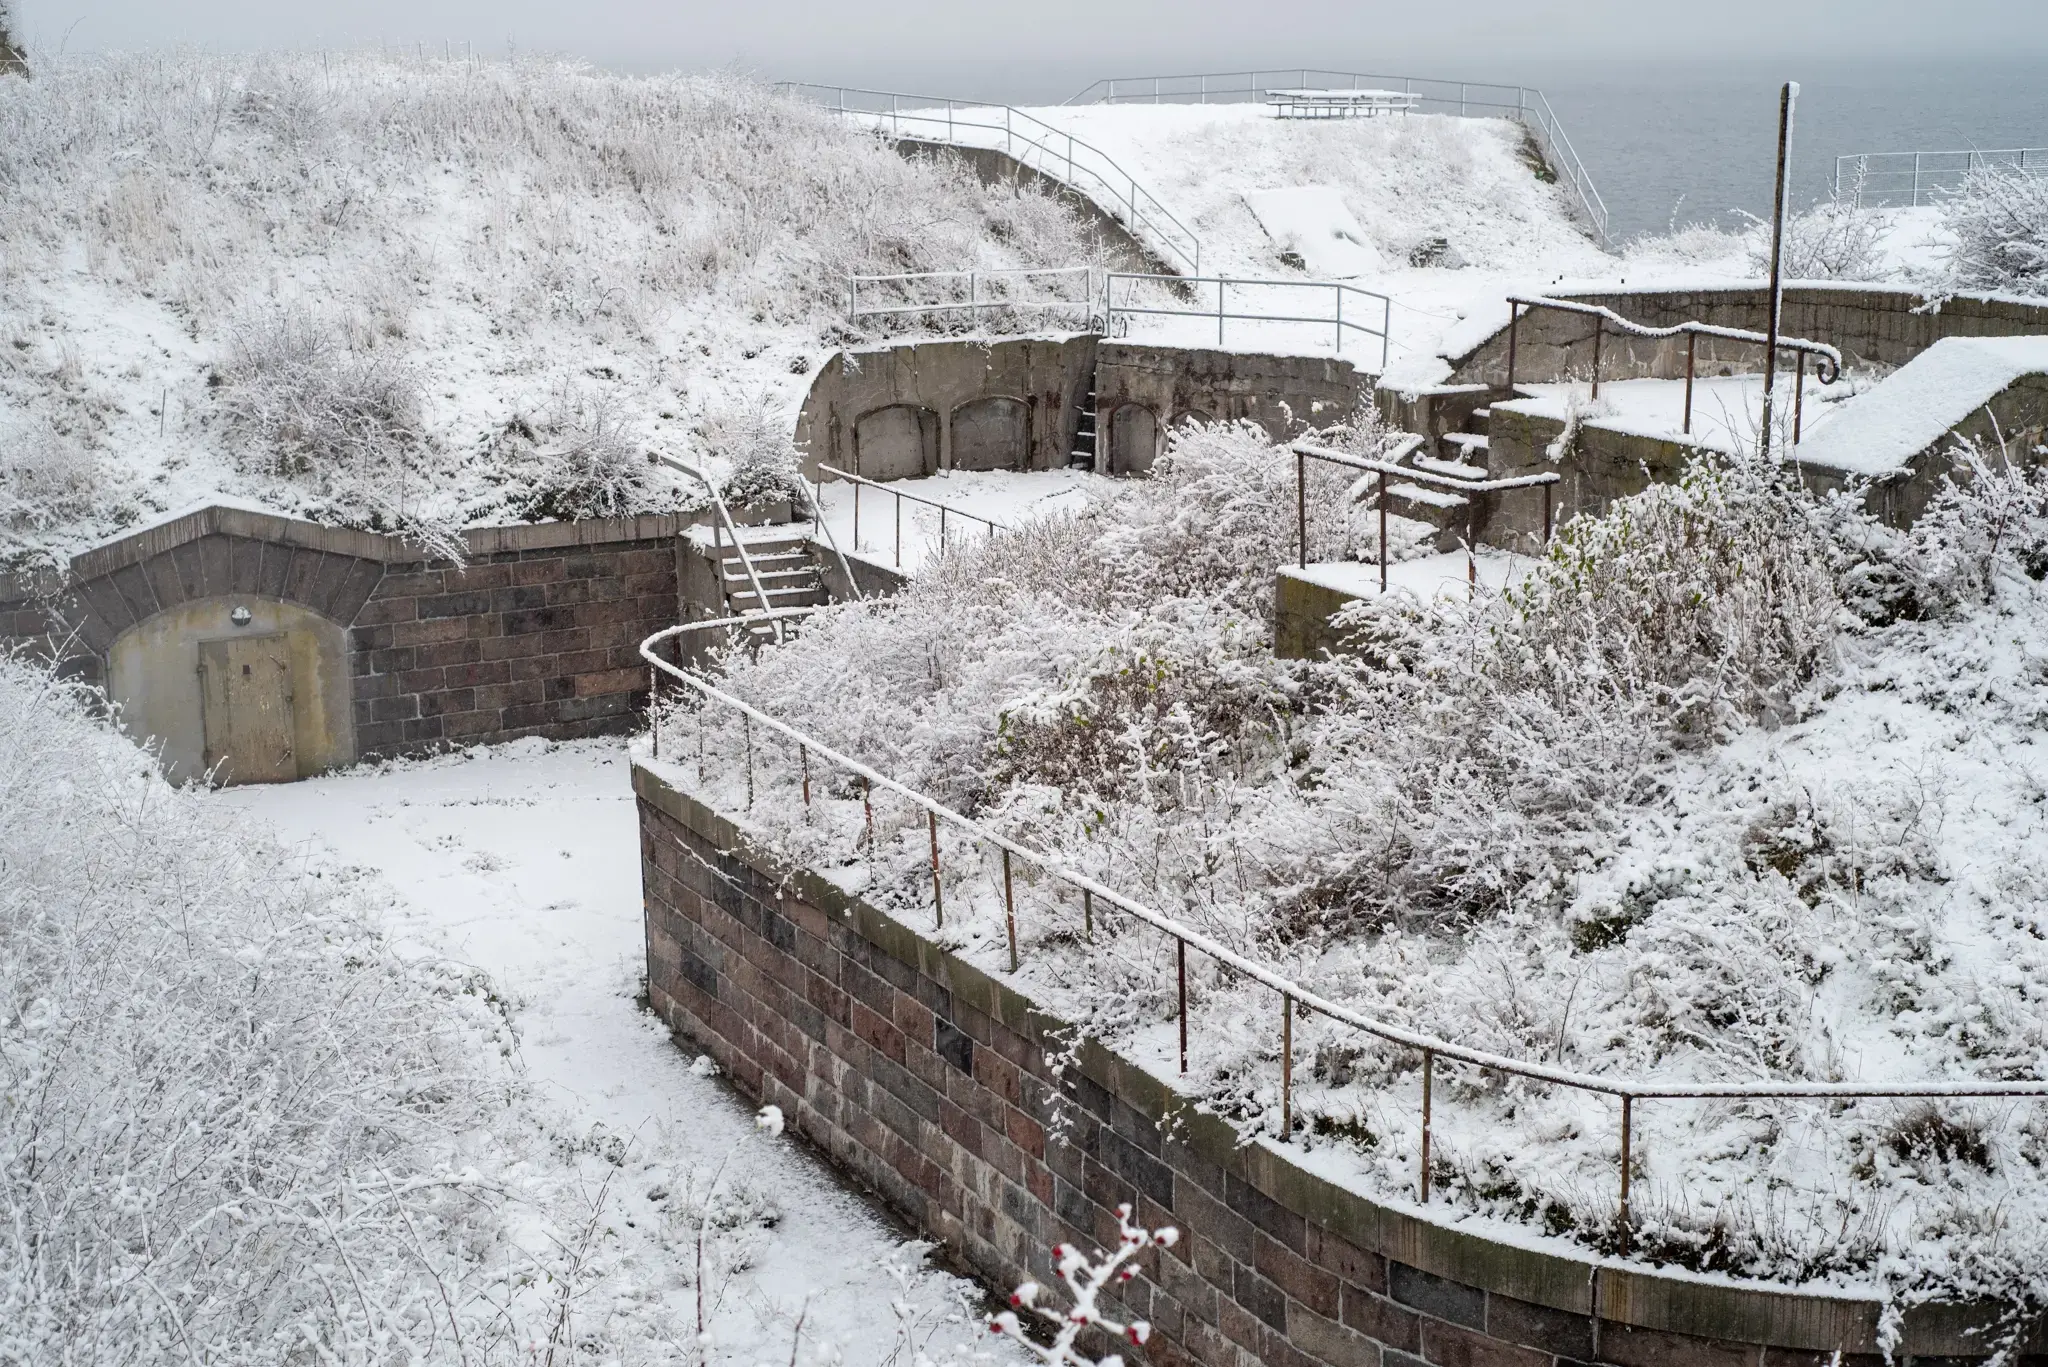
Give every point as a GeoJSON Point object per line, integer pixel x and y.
{"type": "Point", "coordinates": [1911, 252]}
{"type": "Point", "coordinates": [1403, 182]}
{"type": "Point", "coordinates": [1446, 575]}
{"type": "Point", "coordinates": [1849, 891]}
{"type": "Point", "coordinates": [1312, 222]}
{"type": "Point", "coordinates": [1727, 411]}
{"type": "Point", "coordinates": [417, 228]}
{"type": "Point", "coordinates": [1917, 242]}
{"type": "Point", "coordinates": [1918, 403]}
{"type": "Point", "coordinates": [528, 243]}
{"type": "Point", "coordinates": [709, 534]}
{"type": "Point", "coordinates": [510, 288]}
{"type": "Point", "coordinates": [1792, 892]}
{"type": "Point", "coordinates": [1007, 498]}
{"type": "Point", "coordinates": [230, 502]}
{"type": "Point", "coordinates": [523, 860]}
